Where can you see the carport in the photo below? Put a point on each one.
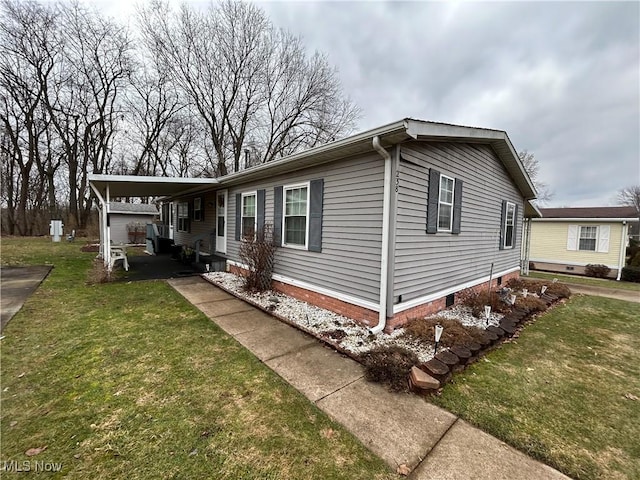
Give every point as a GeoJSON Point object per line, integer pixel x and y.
{"type": "Point", "coordinates": [108, 187]}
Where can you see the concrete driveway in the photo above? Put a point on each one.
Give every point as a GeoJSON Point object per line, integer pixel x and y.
{"type": "Point", "coordinates": [16, 285]}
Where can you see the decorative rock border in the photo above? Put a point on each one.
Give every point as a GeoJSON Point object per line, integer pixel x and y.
{"type": "Point", "coordinates": [439, 370]}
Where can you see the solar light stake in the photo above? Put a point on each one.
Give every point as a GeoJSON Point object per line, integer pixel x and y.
{"type": "Point", "coordinates": [487, 313]}
{"type": "Point", "coordinates": [525, 292]}
{"type": "Point", "coordinates": [439, 329]}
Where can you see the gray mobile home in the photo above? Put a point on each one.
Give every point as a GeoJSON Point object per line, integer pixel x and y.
{"type": "Point", "coordinates": [381, 226]}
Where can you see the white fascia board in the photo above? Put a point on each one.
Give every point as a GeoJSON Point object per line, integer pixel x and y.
{"type": "Point", "coordinates": [401, 307]}
{"type": "Point", "coordinates": [584, 220]}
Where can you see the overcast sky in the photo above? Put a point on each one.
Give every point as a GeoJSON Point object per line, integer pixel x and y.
{"type": "Point", "coordinates": [563, 79]}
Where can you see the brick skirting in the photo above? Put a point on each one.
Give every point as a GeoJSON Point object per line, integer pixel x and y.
{"type": "Point", "coordinates": [364, 315]}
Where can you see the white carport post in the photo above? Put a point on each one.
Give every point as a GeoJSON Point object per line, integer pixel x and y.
{"type": "Point", "coordinates": [105, 249]}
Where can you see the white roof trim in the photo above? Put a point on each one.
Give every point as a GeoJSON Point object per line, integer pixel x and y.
{"type": "Point", "coordinates": [584, 220]}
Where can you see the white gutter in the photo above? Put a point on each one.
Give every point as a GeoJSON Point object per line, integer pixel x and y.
{"type": "Point", "coordinates": [623, 247]}
{"type": "Point", "coordinates": [386, 222]}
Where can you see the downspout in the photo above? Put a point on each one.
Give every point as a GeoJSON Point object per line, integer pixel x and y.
{"type": "Point", "coordinates": [623, 247]}
{"type": "Point", "coordinates": [386, 221]}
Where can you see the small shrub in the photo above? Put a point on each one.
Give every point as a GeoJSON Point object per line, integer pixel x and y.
{"type": "Point", "coordinates": [558, 289]}
{"type": "Point", "coordinates": [453, 333]}
{"type": "Point", "coordinates": [531, 304]}
{"type": "Point", "coordinates": [258, 253]}
{"type": "Point", "coordinates": [476, 300]}
{"type": "Point", "coordinates": [630, 274]}
{"type": "Point", "coordinates": [635, 260]}
{"type": "Point", "coordinates": [390, 366]}
{"type": "Point", "coordinates": [597, 270]}
{"type": "Point", "coordinates": [633, 249]}
{"type": "Point", "coordinates": [98, 273]}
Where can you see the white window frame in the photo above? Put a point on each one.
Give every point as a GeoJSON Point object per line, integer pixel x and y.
{"type": "Point", "coordinates": [181, 216]}
{"type": "Point", "coordinates": [513, 226]}
{"type": "Point", "coordinates": [306, 185]}
{"type": "Point", "coordinates": [255, 216]}
{"type": "Point", "coordinates": [440, 202]}
{"type": "Point", "coordinates": [197, 209]}
{"type": "Point", "coordinates": [595, 244]}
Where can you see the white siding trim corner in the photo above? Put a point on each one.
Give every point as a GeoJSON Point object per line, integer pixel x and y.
{"type": "Point", "coordinates": [321, 290]}
{"type": "Point", "coordinates": [401, 307]}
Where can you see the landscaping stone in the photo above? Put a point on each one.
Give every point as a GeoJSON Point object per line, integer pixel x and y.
{"type": "Point", "coordinates": [448, 358]}
{"type": "Point", "coordinates": [464, 354]}
{"type": "Point", "coordinates": [474, 347]}
{"type": "Point", "coordinates": [497, 330]}
{"type": "Point", "coordinates": [423, 380]}
{"type": "Point", "coordinates": [435, 368]}
{"type": "Point", "coordinates": [489, 336]}
{"type": "Point", "coordinates": [508, 327]}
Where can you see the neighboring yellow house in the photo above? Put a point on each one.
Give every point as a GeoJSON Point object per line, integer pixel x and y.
{"type": "Point", "coordinates": [567, 239]}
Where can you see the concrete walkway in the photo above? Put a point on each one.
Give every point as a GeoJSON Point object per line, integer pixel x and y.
{"type": "Point", "coordinates": [402, 429]}
{"type": "Point", "coordinates": [628, 295]}
{"type": "Point", "coordinates": [16, 285]}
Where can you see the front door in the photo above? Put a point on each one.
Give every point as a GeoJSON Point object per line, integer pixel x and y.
{"type": "Point", "coordinates": [221, 222]}
{"type": "Point", "coordinates": [170, 222]}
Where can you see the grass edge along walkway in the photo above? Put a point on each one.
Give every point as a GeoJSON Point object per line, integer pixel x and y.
{"type": "Point", "coordinates": [129, 380]}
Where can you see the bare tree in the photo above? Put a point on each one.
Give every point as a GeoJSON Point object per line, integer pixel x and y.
{"type": "Point", "coordinates": [629, 196]}
{"type": "Point", "coordinates": [82, 98]}
{"type": "Point", "coordinates": [28, 48]}
{"type": "Point", "coordinates": [532, 167]}
{"type": "Point", "coordinates": [251, 84]}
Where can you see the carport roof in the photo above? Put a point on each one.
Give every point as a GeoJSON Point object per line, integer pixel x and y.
{"type": "Point", "coordinates": [140, 186]}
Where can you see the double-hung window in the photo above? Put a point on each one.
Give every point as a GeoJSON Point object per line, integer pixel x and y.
{"type": "Point", "coordinates": [445, 204]}
{"type": "Point", "coordinates": [509, 223]}
{"type": "Point", "coordinates": [183, 217]}
{"type": "Point", "coordinates": [296, 213]}
{"type": "Point", "coordinates": [588, 238]}
{"type": "Point", "coordinates": [249, 217]}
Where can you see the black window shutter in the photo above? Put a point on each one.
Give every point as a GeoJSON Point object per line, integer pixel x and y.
{"type": "Point", "coordinates": [502, 219]}
{"type": "Point", "coordinates": [260, 200]}
{"type": "Point", "coordinates": [432, 200]}
{"type": "Point", "coordinates": [202, 208]}
{"type": "Point", "coordinates": [277, 216]}
{"type": "Point", "coordinates": [315, 215]}
{"type": "Point", "coordinates": [457, 206]}
{"type": "Point", "coordinates": [238, 215]}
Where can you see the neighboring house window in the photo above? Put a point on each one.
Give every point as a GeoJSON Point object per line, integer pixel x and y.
{"type": "Point", "coordinates": [588, 238]}
{"type": "Point", "coordinates": [197, 209]}
{"type": "Point", "coordinates": [248, 214]}
{"type": "Point", "coordinates": [296, 202]}
{"type": "Point", "coordinates": [444, 203]}
{"type": "Point", "coordinates": [509, 224]}
{"type": "Point", "coordinates": [183, 217]}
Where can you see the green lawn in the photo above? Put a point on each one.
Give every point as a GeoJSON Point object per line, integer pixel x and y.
{"type": "Point", "coordinates": [567, 391]}
{"type": "Point", "coordinates": [578, 280]}
{"type": "Point", "coordinates": [130, 381]}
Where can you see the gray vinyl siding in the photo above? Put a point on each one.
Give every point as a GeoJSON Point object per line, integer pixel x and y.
{"type": "Point", "coordinates": [429, 263]}
{"type": "Point", "coordinates": [204, 228]}
{"type": "Point", "coordinates": [351, 227]}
